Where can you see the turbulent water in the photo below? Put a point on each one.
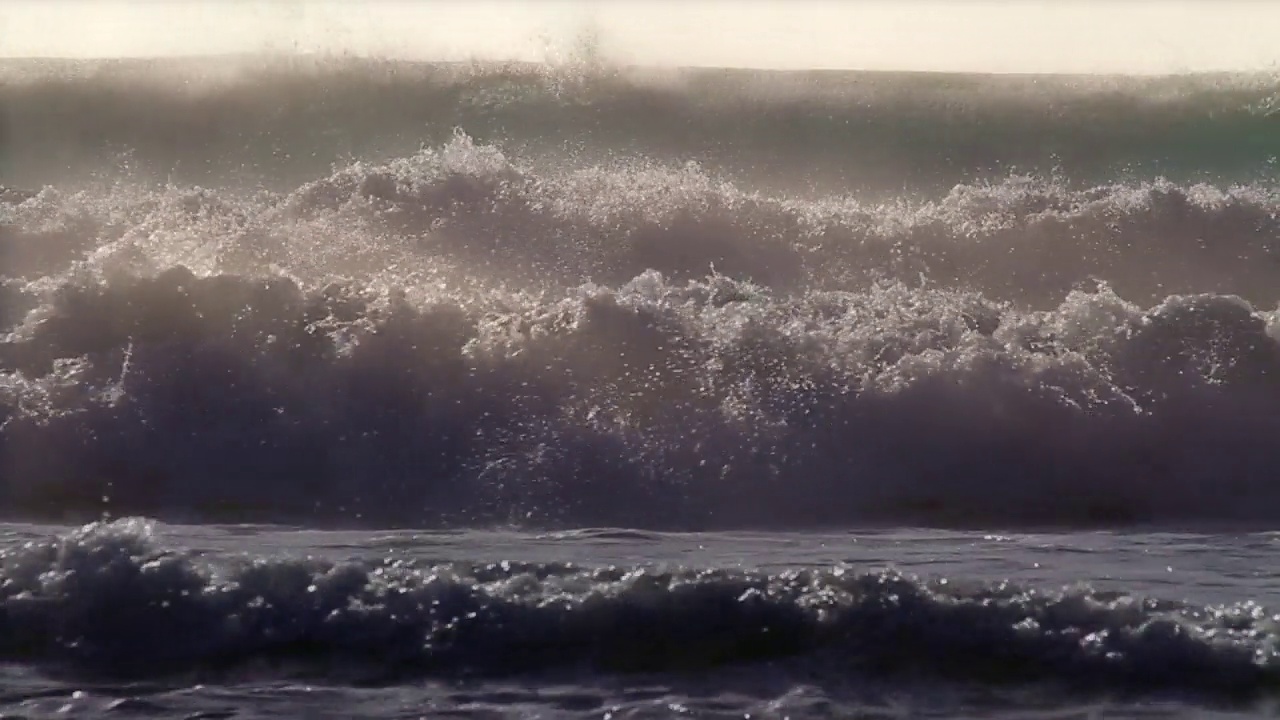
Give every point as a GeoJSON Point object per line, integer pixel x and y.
{"type": "Point", "coordinates": [358, 294]}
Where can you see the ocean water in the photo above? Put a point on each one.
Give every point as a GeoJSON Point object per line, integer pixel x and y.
{"type": "Point", "coordinates": [353, 388]}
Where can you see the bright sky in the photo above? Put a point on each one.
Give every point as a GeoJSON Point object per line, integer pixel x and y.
{"type": "Point", "coordinates": [1139, 36]}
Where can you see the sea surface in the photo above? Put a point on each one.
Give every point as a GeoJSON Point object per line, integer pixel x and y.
{"type": "Point", "coordinates": [351, 388]}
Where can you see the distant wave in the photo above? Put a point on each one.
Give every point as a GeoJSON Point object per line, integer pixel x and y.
{"type": "Point", "coordinates": [220, 122]}
{"type": "Point", "coordinates": [452, 338]}
{"type": "Point", "coordinates": [108, 600]}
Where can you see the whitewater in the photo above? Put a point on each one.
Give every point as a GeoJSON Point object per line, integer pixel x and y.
{"type": "Point", "coordinates": [362, 388]}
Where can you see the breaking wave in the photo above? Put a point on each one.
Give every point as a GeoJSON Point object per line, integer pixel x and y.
{"type": "Point", "coordinates": [455, 337]}
{"type": "Point", "coordinates": [107, 599]}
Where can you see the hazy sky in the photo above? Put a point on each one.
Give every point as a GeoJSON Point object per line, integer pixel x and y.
{"type": "Point", "coordinates": [969, 35]}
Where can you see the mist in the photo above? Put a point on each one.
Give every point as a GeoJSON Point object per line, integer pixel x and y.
{"type": "Point", "coordinates": [1069, 36]}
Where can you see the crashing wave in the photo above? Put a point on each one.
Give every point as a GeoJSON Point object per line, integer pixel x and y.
{"type": "Point", "coordinates": [453, 337]}
{"type": "Point", "coordinates": [108, 599]}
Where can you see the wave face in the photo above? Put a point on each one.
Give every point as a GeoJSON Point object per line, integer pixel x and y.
{"type": "Point", "coordinates": [108, 600]}
{"type": "Point", "coordinates": [573, 318]}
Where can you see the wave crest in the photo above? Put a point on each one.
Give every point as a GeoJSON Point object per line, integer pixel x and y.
{"type": "Point", "coordinates": [108, 599]}
{"type": "Point", "coordinates": [455, 337]}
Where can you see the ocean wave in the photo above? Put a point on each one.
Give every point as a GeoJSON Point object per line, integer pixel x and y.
{"type": "Point", "coordinates": [707, 404]}
{"type": "Point", "coordinates": [252, 120]}
{"type": "Point", "coordinates": [107, 599]}
{"type": "Point", "coordinates": [466, 210]}
{"type": "Point", "coordinates": [453, 338]}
